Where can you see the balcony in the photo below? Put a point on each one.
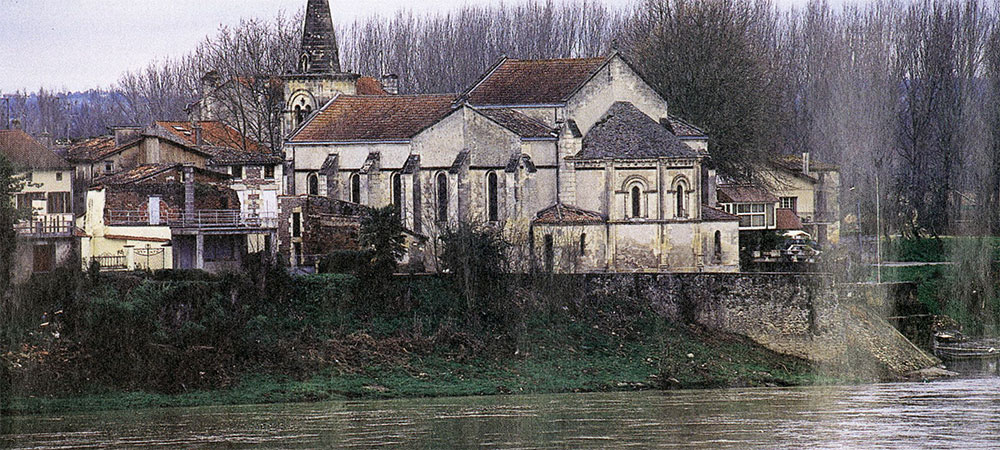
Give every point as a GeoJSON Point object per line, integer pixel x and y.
{"type": "Point", "coordinates": [45, 227]}
{"type": "Point", "coordinates": [200, 219]}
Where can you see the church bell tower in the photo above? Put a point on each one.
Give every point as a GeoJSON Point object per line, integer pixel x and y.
{"type": "Point", "coordinates": [318, 77]}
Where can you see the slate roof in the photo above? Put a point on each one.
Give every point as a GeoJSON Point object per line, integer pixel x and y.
{"type": "Point", "coordinates": [24, 152]}
{"type": "Point", "coordinates": [561, 214]}
{"type": "Point", "coordinates": [785, 219]}
{"type": "Point", "coordinates": [626, 132]}
{"type": "Point", "coordinates": [710, 214]}
{"type": "Point", "coordinates": [375, 117]}
{"type": "Point", "coordinates": [744, 193]}
{"type": "Point", "coordinates": [522, 125]}
{"type": "Point", "coordinates": [91, 149]}
{"type": "Point", "coordinates": [683, 129]}
{"type": "Point", "coordinates": [533, 81]}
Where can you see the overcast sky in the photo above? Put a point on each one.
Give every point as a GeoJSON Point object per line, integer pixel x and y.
{"type": "Point", "coordinates": [81, 44]}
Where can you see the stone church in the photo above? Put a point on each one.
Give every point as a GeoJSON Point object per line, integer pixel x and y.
{"type": "Point", "coordinates": [577, 160]}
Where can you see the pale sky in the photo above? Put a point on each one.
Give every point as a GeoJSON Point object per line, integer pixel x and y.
{"type": "Point", "coordinates": [81, 44]}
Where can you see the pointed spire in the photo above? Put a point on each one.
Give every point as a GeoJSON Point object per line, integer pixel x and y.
{"type": "Point", "coordinates": [319, 42]}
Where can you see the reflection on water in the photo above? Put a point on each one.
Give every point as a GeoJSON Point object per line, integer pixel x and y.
{"type": "Point", "coordinates": [960, 414]}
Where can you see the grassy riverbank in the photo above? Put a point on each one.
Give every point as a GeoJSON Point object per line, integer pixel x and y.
{"type": "Point", "coordinates": [168, 340]}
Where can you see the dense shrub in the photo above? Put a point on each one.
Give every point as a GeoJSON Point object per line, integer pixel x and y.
{"type": "Point", "coordinates": [343, 261]}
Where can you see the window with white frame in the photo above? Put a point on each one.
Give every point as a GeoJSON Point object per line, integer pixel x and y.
{"type": "Point", "coordinates": [752, 214]}
{"type": "Point", "coordinates": [790, 203]}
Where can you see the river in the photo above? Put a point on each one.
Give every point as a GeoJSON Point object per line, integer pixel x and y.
{"type": "Point", "coordinates": [959, 414]}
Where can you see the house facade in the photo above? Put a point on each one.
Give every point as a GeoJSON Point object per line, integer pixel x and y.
{"type": "Point", "coordinates": [46, 236]}
{"type": "Point", "coordinates": [167, 216]}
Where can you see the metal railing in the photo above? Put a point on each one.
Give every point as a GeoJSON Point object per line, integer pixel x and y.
{"type": "Point", "coordinates": [45, 227]}
{"type": "Point", "coordinates": [202, 218]}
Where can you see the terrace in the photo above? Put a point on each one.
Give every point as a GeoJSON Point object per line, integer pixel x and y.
{"type": "Point", "coordinates": [200, 219]}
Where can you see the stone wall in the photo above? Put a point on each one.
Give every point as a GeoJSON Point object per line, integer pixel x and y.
{"type": "Point", "coordinates": [804, 315]}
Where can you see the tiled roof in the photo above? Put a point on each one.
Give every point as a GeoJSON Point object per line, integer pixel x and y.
{"type": "Point", "coordinates": [711, 214]}
{"type": "Point", "coordinates": [369, 86]}
{"type": "Point", "coordinates": [91, 149]}
{"type": "Point", "coordinates": [25, 152]}
{"type": "Point", "coordinates": [564, 214]}
{"type": "Point", "coordinates": [533, 81]}
{"type": "Point", "coordinates": [223, 143]}
{"type": "Point", "coordinates": [133, 175]}
{"type": "Point", "coordinates": [520, 124]}
{"type": "Point", "coordinates": [375, 117]}
{"type": "Point", "coordinates": [683, 129]}
{"type": "Point", "coordinates": [626, 132]}
{"type": "Point", "coordinates": [744, 193]}
{"type": "Point", "coordinates": [785, 219]}
{"type": "Point", "coordinates": [142, 172]}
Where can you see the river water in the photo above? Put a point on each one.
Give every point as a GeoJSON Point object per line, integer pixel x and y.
{"type": "Point", "coordinates": [959, 414]}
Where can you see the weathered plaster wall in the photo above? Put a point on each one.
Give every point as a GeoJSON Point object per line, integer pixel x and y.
{"type": "Point", "coordinates": [615, 82]}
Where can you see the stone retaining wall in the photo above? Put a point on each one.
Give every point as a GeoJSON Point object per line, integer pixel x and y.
{"type": "Point", "coordinates": [842, 328]}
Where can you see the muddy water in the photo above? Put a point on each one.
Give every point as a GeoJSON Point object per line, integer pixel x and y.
{"type": "Point", "coordinates": [959, 414]}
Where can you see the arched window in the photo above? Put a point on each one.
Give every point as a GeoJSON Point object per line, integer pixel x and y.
{"type": "Point", "coordinates": [313, 184]}
{"type": "Point", "coordinates": [491, 197]}
{"type": "Point", "coordinates": [442, 197]}
{"type": "Point", "coordinates": [397, 191]}
{"type": "Point", "coordinates": [304, 63]}
{"type": "Point", "coordinates": [356, 188]}
{"type": "Point", "coordinates": [680, 201]}
{"type": "Point", "coordinates": [298, 116]}
{"type": "Point", "coordinates": [583, 244]}
{"type": "Point", "coordinates": [635, 201]}
{"type": "Point", "coordinates": [718, 246]}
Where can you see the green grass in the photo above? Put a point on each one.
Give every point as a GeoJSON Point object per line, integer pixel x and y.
{"type": "Point", "coordinates": [554, 366]}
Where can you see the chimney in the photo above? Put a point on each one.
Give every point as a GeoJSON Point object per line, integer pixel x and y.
{"type": "Point", "coordinates": [710, 186]}
{"type": "Point", "coordinates": [122, 134]}
{"type": "Point", "coordinates": [188, 171]}
{"type": "Point", "coordinates": [199, 139]}
{"type": "Point", "coordinates": [390, 83]}
{"type": "Point", "coordinates": [805, 162]}
{"type": "Point", "coordinates": [45, 139]}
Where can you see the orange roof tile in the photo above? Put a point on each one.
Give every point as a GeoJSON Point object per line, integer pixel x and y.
{"type": "Point", "coordinates": [785, 219]}
{"type": "Point", "coordinates": [91, 149]}
{"type": "Point", "coordinates": [23, 151]}
{"type": "Point", "coordinates": [533, 81]}
{"type": "Point", "coordinates": [369, 86]}
{"type": "Point", "coordinates": [375, 117]}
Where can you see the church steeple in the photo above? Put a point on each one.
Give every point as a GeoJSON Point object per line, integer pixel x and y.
{"type": "Point", "coordinates": [319, 42]}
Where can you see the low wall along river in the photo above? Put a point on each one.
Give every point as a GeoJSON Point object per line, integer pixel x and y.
{"type": "Point", "coordinates": [804, 315]}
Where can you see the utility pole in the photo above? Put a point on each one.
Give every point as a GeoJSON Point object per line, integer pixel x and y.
{"type": "Point", "coordinates": [878, 234]}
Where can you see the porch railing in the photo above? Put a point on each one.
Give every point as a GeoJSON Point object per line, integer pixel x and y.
{"type": "Point", "coordinates": [203, 218]}
{"type": "Point", "coordinates": [45, 227]}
